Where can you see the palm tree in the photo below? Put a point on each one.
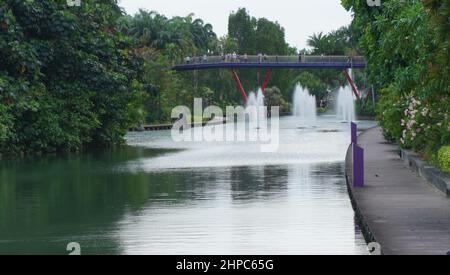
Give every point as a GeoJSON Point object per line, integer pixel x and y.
{"type": "Point", "coordinates": [147, 27]}
{"type": "Point", "coordinates": [182, 35]}
{"type": "Point", "coordinates": [316, 41]}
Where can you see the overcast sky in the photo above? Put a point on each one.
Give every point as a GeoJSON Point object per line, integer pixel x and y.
{"type": "Point", "coordinates": [300, 18]}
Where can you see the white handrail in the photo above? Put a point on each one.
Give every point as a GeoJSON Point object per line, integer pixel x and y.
{"type": "Point", "coordinates": [273, 59]}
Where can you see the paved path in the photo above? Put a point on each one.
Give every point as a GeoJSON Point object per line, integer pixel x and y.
{"type": "Point", "coordinates": [405, 214]}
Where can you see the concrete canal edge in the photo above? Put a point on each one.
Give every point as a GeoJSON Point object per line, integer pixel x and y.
{"type": "Point", "coordinates": [397, 207]}
{"type": "Point", "coordinates": [429, 173]}
{"type": "Point", "coordinates": [162, 127]}
{"type": "Point", "coordinates": [168, 126]}
{"type": "Point", "coordinates": [360, 219]}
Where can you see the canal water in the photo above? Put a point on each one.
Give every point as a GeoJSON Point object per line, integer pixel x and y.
{"type": "Point", "coordinates": [156, 196]}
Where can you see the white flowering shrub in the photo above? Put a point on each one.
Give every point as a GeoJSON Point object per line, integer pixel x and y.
{"type": "Point", "coordinates": [414, 122]}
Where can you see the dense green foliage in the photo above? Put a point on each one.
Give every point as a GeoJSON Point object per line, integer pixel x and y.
{"type": "Point", "coordinates": [444, 158]}
{"type": "Point", "coordinates": [163, 41]}
{"type": "Point", "coordinates": [72, 77]}
{"type": "Point", "coordinates": [274, 98]}
{"type": "Point", "coordinates": [253, 36]}
{"type": "Point", "coordinates": [338, 42]}
{"type": "Point", "coordinates": [67, 77]}
{"type": "Point", "coordinates": [321, 82]}
{"type": "Point", "coordinates": [406, 44]}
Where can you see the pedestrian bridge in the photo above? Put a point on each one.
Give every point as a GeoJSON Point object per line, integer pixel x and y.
{"type": "Point", "coordinates": [271, 62]}
{"type": "Point", "coordinates": [234, 62]}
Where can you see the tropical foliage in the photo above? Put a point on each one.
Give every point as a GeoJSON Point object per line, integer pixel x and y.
{"type": "Point", "coordinates": [253, 36]}
{"type": "Point", "coordinates": [444, 158]}
{"type": "Point", "coordinates": [274, 98]}
{"type": "Point", "coordinates": [406, 44]}
{"type": "Point", "coordinates": [163, 41]}
{"type": "Point", "coordinates": [72, 77]}
{"type": "Point", "coordinates": [320, 82]}
{"type": "Point", "coordinates": [68, 78]}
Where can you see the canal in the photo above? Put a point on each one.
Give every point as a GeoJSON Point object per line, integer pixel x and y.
{"type": "Point", "coordinates": [155, 196]}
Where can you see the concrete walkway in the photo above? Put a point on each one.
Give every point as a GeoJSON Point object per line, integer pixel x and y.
{"type": "Point", "coordinates": [399, 210]}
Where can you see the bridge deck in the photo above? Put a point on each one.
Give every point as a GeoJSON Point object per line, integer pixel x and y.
{"type": "Point", "coordinates": [271, 62]}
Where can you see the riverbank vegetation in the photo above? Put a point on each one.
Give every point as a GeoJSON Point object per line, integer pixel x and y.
{"type": "Point", "coordinates": [68, 78]}
{"type": "Point", "coordinates": [74, 77]}
{"type": "Point", "coordinates": [406, 44]}
{"type": "Point", "coordinates": [163, 41]}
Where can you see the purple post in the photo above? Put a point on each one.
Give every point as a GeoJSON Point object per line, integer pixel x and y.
{"type": "Point", "coordinates": [358, 166]}
{"type": "Point", "coordinates": [354, 133]}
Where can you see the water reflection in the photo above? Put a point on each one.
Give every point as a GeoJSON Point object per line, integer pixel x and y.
{"type": "Point", "coordinates": [302, 211]}
{"type": "Point", "coordinates": [116, 202]}
{"type": "Point", "coordinates": [249, 183]}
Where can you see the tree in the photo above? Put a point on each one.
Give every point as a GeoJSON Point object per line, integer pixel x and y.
{"type": "Point", "coordinates": [406, 46]}
{"type": "Point", "coordinates": [68, 79]}
{"type": "Point", "coordinates": [270, 38]}
{"type": "Point", "coordinates": [274, 97]}
{"type": "Point", "coordinates": [315, 85]}
{"type": "Point", "coordinates": [317, 42]}
{"type": "Point", "coordinates": [250, 35]}
{"type": "Point", "coordinates": [242, 28]}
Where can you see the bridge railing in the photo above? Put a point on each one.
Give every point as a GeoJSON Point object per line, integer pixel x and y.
{"type": "Point", "coordinates": [272, 59]}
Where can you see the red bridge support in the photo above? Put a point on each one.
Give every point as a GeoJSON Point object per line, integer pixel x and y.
{"type": "Point", "coordinates": [239, 85]}
{"type": "Point", "coordinates": [241, 88]}
{"type": "Point", "coordinates": [350, 81]}
{"type": "Point", "coordinates": [266, 79]}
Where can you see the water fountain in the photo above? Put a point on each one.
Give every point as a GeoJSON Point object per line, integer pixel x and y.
{"type": "Point", "coordinates": [345, 106]}
{"type": "Point", "coordinates": [256, 100]}
{"type": "Point", "coordinates": [304, 105]}
{"type": "Point", "coordinates": [254, 108]}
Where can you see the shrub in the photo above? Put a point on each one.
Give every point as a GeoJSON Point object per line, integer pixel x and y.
{"type": "Point", "coordinates": [406, 47]}
{"type": "Point", "coordinates": [321, 110]}
{"type": "Point", "coordinates": [365, 108]}
{"type": "Point", "coordinates": [444, 158]}
{"type": "Point", "coordinates": [274, 97]}
{"type": "Point", "coordinates": [389, 113]}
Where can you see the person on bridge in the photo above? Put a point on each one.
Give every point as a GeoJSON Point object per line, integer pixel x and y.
{"type": "Point", "coordinates": [260, 57]}
{"type": "Point", "coordinates": [245, 58]}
